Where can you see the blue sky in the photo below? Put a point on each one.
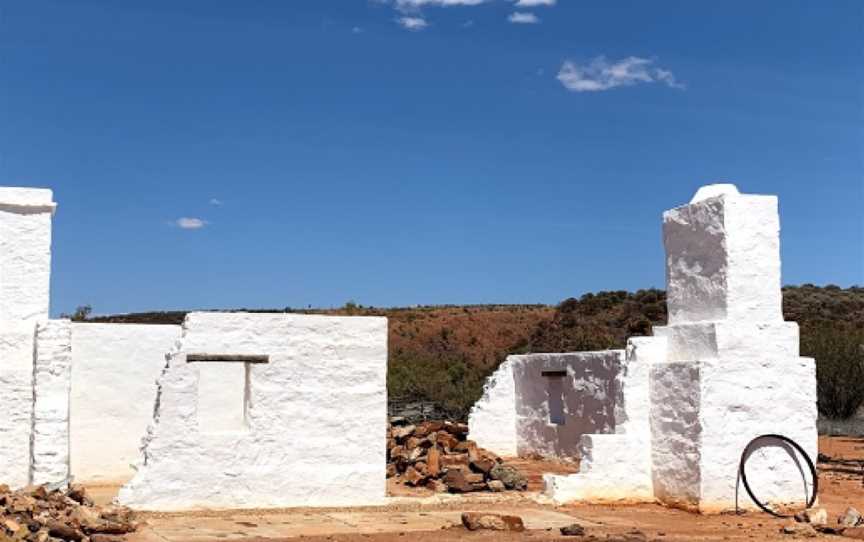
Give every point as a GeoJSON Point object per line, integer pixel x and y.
{"type": "Point", "coordinates": [420, 151]}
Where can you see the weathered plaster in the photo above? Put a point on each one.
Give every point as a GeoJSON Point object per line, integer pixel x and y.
{"type": "Point", "coordinates": [114, 372]}
{"type": "Point", "coordinates": [586, 397]}
{"type": "Point", "coordinates": [733, 370]}
{"type": "Point", "coordinates": [326, 376]}
{"type": "Point", "coordinates": [25, 252]}
{"type": "Point", "coordinates": [616, 466]}
{"type": "Point", "coordinates": [492, 421]}
{"type": "Point", "coordinates": [16, 400]}
{"type": "Point", "coordinates": [671, 419]}
{"type": "Point", "coordinates": [51, 386]}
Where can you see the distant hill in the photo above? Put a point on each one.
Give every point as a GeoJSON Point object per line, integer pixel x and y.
{"type": "Point", "coordinates": [443, 354]}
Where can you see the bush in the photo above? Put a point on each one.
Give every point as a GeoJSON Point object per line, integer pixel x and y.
{"type": "Point", "coordinates": [839, 353]}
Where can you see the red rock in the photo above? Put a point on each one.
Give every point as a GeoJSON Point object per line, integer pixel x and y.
{"type": "Point", "coordinates": [483, 464]}
{"type": "Point", "coordinates": [412, 477]}
{"type": "Point", "coordinates": [460, 481]}
{"type": "Point", "coordinates": [446, 440]}
{"type": "Point", "coordinates": [474, 521]}
{"type": "Point", "coordinates": [428, 427]}
{"type": "Point", "coordinates": [433, 462]}
{"type": "Point", "coordinates": [454, 460]}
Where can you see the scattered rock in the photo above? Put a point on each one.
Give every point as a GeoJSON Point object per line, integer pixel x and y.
{"type": "Point", "coordinates": [803, 530]}
{"type": "Point", "coordinates": [474, 521]}
{"type": "Point", "coordinates": [496, 485]}
{"type": "Point", "coordinates": [439, 450]}
{"type": "Point", "coordinates": [461, 481]}
{"type": "Point", "coordinates": [37, 514]}
{"type": "Point", "coordinates": [828, 529]}
{"type": "Point", "coordinates": [512, 478]}
{"type": "Point", "coordinates": [573, 530]}
{"type": "Point", "coordinates": [814, 516]}
{"type": "Point", "coordinates": [402, 432]}
{"type": "Point", "coordinates": [850, 518]}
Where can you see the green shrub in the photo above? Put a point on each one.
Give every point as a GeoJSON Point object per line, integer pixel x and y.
{"type": "Point", "coordinates": [839, 353]}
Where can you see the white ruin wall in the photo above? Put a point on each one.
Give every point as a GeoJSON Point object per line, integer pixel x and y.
{"type": "Point", "coordinates": [25, 253]}
{"type": "Point", "coordinates": [27, 452]}
{"type": "Point", "coordinates": [314, 416]}
{"type": "Point", "coordinates": [552, 411]}
{"type": "Point", "coordinates": [114, 372]}
{"type": "Point", "coordinates": [51, 385]}
{"type": "Point", "coordinates": [616, 462]}
{"type": "Point", "coordinates": [733, 371]}
{"type": "Point", "coordinates": [16, 400]}
{"type": "Point", "coordinates": [492, 420]}
{"type": "Point", "coordinates": [685, 403]}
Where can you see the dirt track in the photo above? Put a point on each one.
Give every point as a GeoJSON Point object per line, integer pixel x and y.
{"type": "Point", "coordinates": [419, 516]}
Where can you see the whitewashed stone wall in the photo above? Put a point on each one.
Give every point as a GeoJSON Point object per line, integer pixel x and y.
{"type": "Point", "coordinates": [25, 252]}
{"type": "Point", "coordinates": [597, 411]}
{"type": "Point", "coordinates": [733, 370]}
{"type": "Point", "coordinates": [492, 420]}
{"type": "Point", "coordinates": [315, 417]}
{"type": "Point", "coordinates": [51, 385]}
{"type": "Point", "coordinates": [16, 400]}
{"type": "Point", "coordinates": [25, 267]}
{"type": "Point", "coordinates": [686, 402]}
{"type": "Point", "coordinates": [616, 465]}
{"type": "Point", "coordinates": [114, 372]}
{"type": "Point", "coordinates": [586, 397]}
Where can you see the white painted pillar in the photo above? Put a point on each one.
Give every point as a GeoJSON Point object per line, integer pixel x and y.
{"type": "Point", "coordinates": [733, 370]}
{"type": "Point", "coordinates": [51, 393]}
{"type": "Point", "coordinates": [25, 252]}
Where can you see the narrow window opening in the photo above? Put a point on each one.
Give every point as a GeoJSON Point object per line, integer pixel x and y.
{"type": "Point", "coordinates": [555, 391]}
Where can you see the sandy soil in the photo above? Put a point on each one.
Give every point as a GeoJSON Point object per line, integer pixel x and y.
{"type": "Point", "coordinates": [419, 515]}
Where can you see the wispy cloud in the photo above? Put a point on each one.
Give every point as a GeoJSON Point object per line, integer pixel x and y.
{"type": "Point", "coordinates": [600, 74]}
{"type": "Point", "coordinates": [414, 24]}
{"type": "Point", "coordinates": [520, 17]}
{"type": "Point", "coordinates": [414, 5]}
{"type": "Point", "coordinates": [534, 3]}
{"type": "Point", "coordinates": [356, 30]}
{"type": "Point", "coordinates": [216, 202]}
{"type": "Point", "coordinates": [189, 223]}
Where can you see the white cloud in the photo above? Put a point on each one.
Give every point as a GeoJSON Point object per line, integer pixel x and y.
{"type": "Point", "coordinates": [188, 223]}
{"type": "Point", "coordinates": [520, 17]}
{"type": "Point", "coordinates": [534, 3]}
{"type": "Point", "coordinates": [357, 30]}
{"type": "Point", "coordinates": [414, 24]}
{"type": "Point", "coordinates": [414, 5]}
{"type": "Point", "coordinates": [216, 202]}
{"type": "Point", "coordinates": [600, 74]}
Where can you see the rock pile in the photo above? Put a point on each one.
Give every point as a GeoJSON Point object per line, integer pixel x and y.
{"type": "Point", "coordinates": [37, 514]}
{"type": "Point", "coordinates": [437, 455]}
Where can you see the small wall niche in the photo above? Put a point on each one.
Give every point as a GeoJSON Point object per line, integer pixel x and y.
{"type": "Point", "coordinates": [223, 395]}
{"type": "Point", "coordinates": [555, 391]}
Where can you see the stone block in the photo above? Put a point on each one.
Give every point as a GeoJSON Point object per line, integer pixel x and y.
{"type": "Point", "coordinates": [723, 259]}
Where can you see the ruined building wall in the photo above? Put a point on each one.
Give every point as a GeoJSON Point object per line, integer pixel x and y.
{"type": "Point", "coordinates": [313, 424]}
{"type": "Point", "coordinates": [733, 369]}
{"type": "Point", "coordinates": [28, 452]}
{"type": "Point", "coordinates": [113, 389]}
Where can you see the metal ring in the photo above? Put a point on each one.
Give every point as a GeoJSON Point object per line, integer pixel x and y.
{"type": "Point", "coordinates": [743, 474]}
